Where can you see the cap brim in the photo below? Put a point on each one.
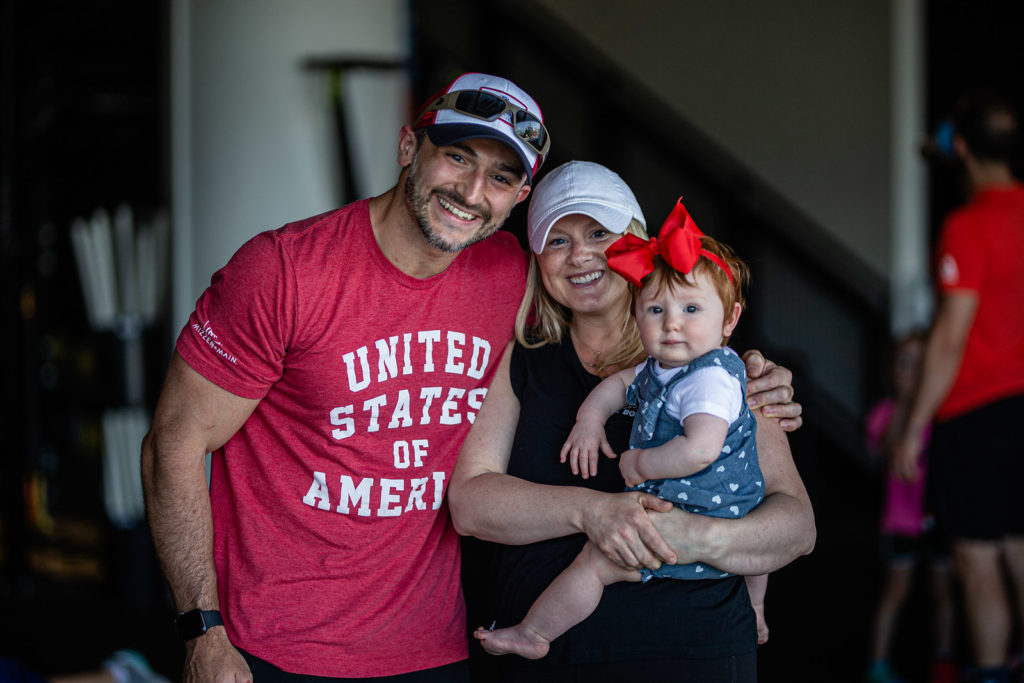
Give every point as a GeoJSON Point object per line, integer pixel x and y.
{"type": "Point", "coordinates": [451, 133]}
{"type": "Point", "coordinates": [613, 218]}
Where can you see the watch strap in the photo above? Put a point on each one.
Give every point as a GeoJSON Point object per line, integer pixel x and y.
{"type": "Point", "coordinates": [196, 622]}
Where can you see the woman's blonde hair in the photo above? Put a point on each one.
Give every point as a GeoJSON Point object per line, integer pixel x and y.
{"type": "Point", "coordinates": [541, 320]}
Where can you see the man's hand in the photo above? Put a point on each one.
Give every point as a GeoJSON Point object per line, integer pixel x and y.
{"type": "Point", "coordinates": [770, 388]}
{"type": "Point", "coordinates": [620, 528]}
{"type": "Point", "coordinates": [905, 455]}
{"type": "Point", "coordinates": [212, 657]}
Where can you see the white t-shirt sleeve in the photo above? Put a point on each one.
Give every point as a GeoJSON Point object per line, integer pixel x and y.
{"type": "Point", "coordinates": [708, 390]}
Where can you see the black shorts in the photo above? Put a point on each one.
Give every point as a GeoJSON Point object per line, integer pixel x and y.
{"type": "Point", "coordinates": [931, 546]}
{"type": "Point", "coordinates": [976, 472]}
{"type": "Point", "coordinates": [265, 672]}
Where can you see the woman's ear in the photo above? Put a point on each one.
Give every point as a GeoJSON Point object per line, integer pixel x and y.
{"type": "Point", "coordinates": [731, 320]}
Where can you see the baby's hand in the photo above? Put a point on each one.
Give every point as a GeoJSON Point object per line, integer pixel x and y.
{"type": "Point", "coordinates": [628, 466]}
{"type": "Point", "coordinates": [584, 446]}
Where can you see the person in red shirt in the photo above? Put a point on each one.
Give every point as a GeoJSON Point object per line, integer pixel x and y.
{"type": "Point", "coordinates": [972, 381]}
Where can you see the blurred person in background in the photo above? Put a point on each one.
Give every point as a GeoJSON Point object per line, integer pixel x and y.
{"type": "Point", "coordinates": [972, 383]}
{"type": "Point", "coordinates": [908, 532]}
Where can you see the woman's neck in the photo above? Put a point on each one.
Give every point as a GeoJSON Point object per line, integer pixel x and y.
{"type": "Point", "coordinates": [597, 329]}
{"type": "Point", "coordinates": [595, 335]}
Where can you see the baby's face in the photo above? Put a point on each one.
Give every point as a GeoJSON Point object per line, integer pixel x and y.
{"type": "Point", "coordinates": [679, 324]}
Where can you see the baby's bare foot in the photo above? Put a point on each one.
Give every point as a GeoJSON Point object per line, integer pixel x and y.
{"type": "Point", "coordinates": [517, 640]}
{"type": "Point", "coordinates": [762, 625]}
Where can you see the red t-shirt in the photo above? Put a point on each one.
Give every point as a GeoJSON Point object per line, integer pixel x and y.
{"type": "Point", "coordinates": [335, 555]}
{"type": "Point", "coordinates": [982, 251]}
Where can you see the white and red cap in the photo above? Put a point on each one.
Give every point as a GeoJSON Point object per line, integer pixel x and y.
{"type": "Point", "coordinates": [448, 126]}
{"type": "Point", "coordinates": [581, 187]}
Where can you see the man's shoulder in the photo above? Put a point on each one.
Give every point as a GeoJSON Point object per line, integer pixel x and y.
{"type": "Point", "coordinates": [501, 242]}
{"type": "Point", "coordinates": [499, 252]}
{"type": "Point", "coordinates": [333, 220]}
{"type": "Point", "coordinates": [311, 243]}
{"type": "Point", "coordinates": [984, 219]}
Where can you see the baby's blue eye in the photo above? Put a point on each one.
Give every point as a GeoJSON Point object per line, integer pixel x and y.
{"type": "Point", "coordinates": [691, 308]}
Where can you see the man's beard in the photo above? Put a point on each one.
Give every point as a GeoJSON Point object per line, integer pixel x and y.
{"type": "Point", "coordinates": [419, 205]}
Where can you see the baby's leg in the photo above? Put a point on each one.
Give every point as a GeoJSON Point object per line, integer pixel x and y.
{"type": "Point", "coordinates": [571, 598]}
{"type": "Point", "coordinates": [757, 586]}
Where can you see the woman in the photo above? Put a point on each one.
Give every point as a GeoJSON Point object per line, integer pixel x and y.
{"type": "Point", "coordinates": [509, 486]}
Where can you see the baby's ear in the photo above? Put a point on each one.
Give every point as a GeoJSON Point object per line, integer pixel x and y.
{"type": "Point", "coordinates": [731, 320]}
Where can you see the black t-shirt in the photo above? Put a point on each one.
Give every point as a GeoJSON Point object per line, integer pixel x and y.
{"type": "Point", "coordinates": [663, 618]}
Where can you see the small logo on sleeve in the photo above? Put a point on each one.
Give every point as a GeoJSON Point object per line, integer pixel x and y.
{"type": "Point", "coordinates": [949, 274]}
{"type": "Point", "coordinates": [207, 334]}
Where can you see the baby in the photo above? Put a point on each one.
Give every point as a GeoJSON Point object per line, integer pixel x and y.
{"type": "Point", "coordinates": [693, 438]}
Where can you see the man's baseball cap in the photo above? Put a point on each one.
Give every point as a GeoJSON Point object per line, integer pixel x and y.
{"type": "Point", "coordinates": [580, 187]}
{"type": "Point", "coordinates": [477, 105]}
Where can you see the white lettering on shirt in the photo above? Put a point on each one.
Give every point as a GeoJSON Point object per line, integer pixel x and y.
{"type": "Point", "coordinates": [393, 497]}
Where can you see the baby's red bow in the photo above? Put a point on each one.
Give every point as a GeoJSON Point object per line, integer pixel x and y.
{"type": "Point", "coordinates": [679, 244]}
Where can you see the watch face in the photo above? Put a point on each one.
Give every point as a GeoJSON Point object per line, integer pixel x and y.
{"type": "Point", "coordinates": [190, 624]}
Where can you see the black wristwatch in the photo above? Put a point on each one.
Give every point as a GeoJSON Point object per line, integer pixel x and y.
{"type": "Point", "coordinates": [196, 622]}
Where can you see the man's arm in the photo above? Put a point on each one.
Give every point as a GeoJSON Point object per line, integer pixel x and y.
{"type": "Point", "coordinates": [770, 387]}
{"type": "Point", "coordinates": [775, 533]}
{"type": "Point", "coordinates": [193, 417]}
{"type": "Point", "coordinates": [942, 356]}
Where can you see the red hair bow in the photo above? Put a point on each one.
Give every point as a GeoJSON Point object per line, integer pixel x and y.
{"type": "Point", "coordinates": [679, 245]}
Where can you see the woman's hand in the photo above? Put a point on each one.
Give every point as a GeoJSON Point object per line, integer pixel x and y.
{"type": "Point", "coordinates": [770, 388]}
{"type": "Point", "coordinates": [619, 526]}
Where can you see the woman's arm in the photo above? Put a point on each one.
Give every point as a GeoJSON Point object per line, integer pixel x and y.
{"type": "Point", "coordinates": [488, 503]}
{"type": "Point", "coordinates": [775, 533]}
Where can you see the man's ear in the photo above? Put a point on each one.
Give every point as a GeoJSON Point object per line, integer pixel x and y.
{"type": "Point", "coordinates": [731, 320]}
{"type": "Point", "coordinates": [524, 192]}
{"type": "Point", "coordinates": [959, 147]}
{"type": "Point", "coordinates": [406, 146]}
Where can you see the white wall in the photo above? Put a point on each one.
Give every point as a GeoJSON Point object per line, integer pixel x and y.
{"type": "Point", "coordinates": [797, 90]}
{"type": "Point", "coordinates": [910, 287]}
{"type": "Point", "coordinates": [253, 140]}
{"type": "Point", "coordinates": [817, 98]}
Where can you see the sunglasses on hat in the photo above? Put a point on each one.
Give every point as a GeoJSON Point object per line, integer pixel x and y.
{"type": "Point", "coordinates": [488, 107]}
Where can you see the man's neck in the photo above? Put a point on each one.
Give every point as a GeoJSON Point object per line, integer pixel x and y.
{"type": "Point", "coordinates": [989, 175]}
{"type": "Point", "coordinates": [401, 240]}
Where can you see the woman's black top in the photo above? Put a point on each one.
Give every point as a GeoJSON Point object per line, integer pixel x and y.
{"type": "Point", "coordinates": [663, 618]}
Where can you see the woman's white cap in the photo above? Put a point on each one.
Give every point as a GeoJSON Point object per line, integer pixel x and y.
{"type": "Point", "coordinates": [580, 187]}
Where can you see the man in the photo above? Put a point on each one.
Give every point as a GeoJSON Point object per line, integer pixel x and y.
{"type": "Point", "coordinates": [972, 381]}
{"type": "Point", "coordinates": [334, 367]}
